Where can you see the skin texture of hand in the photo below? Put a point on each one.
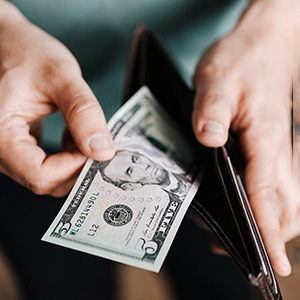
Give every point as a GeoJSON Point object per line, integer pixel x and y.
{"type": "Point", "coordinates": [244, 82]}
{"type": "Point", "coordinates": [38, 76]}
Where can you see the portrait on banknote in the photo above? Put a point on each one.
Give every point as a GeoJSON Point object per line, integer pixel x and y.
{"type": "Point", "coordinates": [131, 170]}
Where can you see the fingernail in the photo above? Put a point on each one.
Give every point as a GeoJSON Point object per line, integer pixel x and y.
{"type": "Point", "coordinates": [100, 142]}
{"type": "Point", "coordinates": [286, 266]}
{"type": "Point", "coordinates": [213, 127]}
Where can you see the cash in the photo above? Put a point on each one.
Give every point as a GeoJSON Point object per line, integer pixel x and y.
{"type": "Point", "coordinates": [129, 209]}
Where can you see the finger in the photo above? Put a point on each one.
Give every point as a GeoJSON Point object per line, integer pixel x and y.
{"type": "Point", "coordinates": [64, 188]}
{"type": "Point", "coordinates": [214, 107]}
{"type": "Point", "coordinates": [268, 220]}
{"type": "Point", "coordinates": [84, 116]}
{"type": "Point", "coordinates": [23, 160]}
{"type": "Point", "coordinates": [69, 147]}
{"type": "Point", "coordinates": [262, 153]}
{"type": "Point", "coordinates": [288, 193]}
{"type": "Point", "coordinates": [48, 174]}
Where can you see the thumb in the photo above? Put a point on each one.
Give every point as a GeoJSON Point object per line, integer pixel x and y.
{"type": "Point", "coordinates": [213, 111]}
{"type": "Point", "coordinates": [84, 118]}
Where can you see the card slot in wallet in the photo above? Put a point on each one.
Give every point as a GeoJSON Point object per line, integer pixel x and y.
{"type": "Point", "coordinates": [210, 205]}
{"type": "Point", "coordinates": [231, 196]}
{"type": "Point", "coordinates": [259, 259]}
{"type": "Point", "coordinates": [150, 65]}
{"type": "Point", "coordinates": [220, 201]}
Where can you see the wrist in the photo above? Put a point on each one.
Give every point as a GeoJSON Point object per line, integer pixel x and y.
{"type": "Point", "coordinates": [275, 13]}
{"type": "Point", "coordinates": [277, 21]}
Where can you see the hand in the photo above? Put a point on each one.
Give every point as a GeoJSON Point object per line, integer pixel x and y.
{"type": "Point", "coordinates": [38, 76]}
{"type": "Point", "coordinates": [244, 82]}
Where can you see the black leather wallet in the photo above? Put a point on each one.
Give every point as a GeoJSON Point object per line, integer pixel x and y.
{"type": "Point", "coordinates": [221, 200]}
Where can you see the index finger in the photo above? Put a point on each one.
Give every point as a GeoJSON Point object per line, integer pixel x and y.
{"type": "Point", "coordinates": [262, 146]}
{"type": "Point", "coordinates": [23, 160]}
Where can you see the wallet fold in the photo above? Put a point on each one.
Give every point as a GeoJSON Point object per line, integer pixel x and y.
{"type": "Point", "coordinates": [221, 200]}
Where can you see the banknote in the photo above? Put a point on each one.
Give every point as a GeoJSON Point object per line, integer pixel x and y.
{"type": "Point", "coordinates": [128, 209]}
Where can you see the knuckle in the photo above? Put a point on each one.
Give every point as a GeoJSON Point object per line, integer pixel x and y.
{"type": "Point", "coordinates": [212, 102]}
{"type": "Point", "coordinates": [262, 203]}
{"type": "Point", "coordinates": [266, 133]}
{"type": "Point", "coordinates": [38, 186]}
{"type": "Point", "coordinates": [265, 193]}
{"type": "Point", "coordinates": [287, 222]}
{"type": "Point", "coordinates": [215, 64]}
{"type": "Point", "coordinates": [60, 191]}
{"type": "Point", "coordinates": [208, 71]}
{"type": "Point", "coordinates": [215, 98]}
{"type": "Point", "coordinates": [59, 73]}
{"type": "Point", "coordinates": [268, 192]}
{"type": "Point", "coordinates": [80, 105]}
{"type": "Point", "coordinates": [58, 69]}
